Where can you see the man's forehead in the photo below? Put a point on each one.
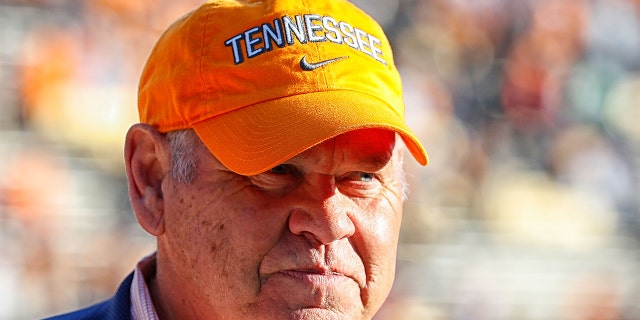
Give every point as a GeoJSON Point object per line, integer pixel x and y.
{"type": "Point", "coordinates": [364, 147]}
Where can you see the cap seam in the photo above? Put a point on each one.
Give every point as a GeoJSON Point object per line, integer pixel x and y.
{"type": "Point", "coordinates": [321, 75]}
{"type": "Point", "coordinates": [395, 110]}
{"type": "Point", "coordinates": [189, 124]}
{"type": "Point", "coordinates": [202, 49]}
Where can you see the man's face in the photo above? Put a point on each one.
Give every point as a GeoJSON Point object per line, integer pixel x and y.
{"type": "Point", "coordinates": [313, 238]}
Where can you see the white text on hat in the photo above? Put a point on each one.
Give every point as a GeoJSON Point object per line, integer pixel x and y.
{"type": "Point", "coordinates": [306, 28]}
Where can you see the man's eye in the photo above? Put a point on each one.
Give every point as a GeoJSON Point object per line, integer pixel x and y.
{"type": "Point", "coordinates": [277, 178]}
{"type": "Point", "coordinates": [360, 184]}
{"type": "Point", "coordinates": [366, 177]}
{"type": "Point", "coordinates": [281, 169]}
{"type": "Point", "coordinates": [359, 176]}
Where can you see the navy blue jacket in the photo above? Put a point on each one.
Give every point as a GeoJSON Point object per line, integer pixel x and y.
{"type": "Point", "coordinates": [116, 308]}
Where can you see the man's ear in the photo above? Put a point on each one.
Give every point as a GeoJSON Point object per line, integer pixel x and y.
{"type": "Point", "coordinates": [148, 160]}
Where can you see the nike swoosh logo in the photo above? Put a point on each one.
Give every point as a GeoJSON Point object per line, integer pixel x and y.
{"type": "Point", "coordinates": [310, 66]}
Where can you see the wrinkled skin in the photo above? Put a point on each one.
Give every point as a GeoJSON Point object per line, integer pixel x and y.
{"type": "Point", "coordinates": [313, 238]}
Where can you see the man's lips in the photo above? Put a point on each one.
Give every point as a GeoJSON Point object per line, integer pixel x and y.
{"type": "Point", "coordinates": [303, 274]}
{"type": "Point", "coordinates": [296, 260]}
{"type": "Point", "coordinates": [317, 277]}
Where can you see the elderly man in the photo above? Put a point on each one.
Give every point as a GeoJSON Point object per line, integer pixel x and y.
{"type": "Point", "coordinates": [268, 165]}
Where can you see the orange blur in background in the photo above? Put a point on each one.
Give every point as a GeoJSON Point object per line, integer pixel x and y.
{"type": "Point", "coordinates": [529, 209]}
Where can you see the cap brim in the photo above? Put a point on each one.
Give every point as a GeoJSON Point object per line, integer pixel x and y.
{"type": "Point", "coordinates": [256, 138]}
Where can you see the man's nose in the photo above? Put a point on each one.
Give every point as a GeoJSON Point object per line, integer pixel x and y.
{"type": "Point", "coordinates": [321, 213]}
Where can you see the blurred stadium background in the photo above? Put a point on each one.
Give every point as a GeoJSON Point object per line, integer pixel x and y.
{"type": "Point", "coordinates": [530, 110]}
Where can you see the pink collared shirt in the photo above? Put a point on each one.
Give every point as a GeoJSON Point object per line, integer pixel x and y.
{"type": "Point", "coordinates": [141, 303]}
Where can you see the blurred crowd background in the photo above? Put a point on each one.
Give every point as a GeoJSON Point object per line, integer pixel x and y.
{"type": "Point", "coordinates": [529, 109]}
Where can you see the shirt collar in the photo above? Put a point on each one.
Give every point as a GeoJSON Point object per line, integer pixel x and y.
{"type": "Point", "coordinates": [141, 303]}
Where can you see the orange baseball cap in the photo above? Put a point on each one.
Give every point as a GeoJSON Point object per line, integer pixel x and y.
{"type": "Point", "coordinates": [261, 81]}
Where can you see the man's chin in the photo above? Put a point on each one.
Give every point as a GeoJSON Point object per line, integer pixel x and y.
{"type": "Point", "coordinates": [302, 313]}
{"type": "Point", "coordinates": [320, 314]}
{"type": "Point", "coordinates": [298, 306]}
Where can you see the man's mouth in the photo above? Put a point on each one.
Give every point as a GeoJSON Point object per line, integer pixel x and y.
{"type": "Point", "coordinates": [317, 276]}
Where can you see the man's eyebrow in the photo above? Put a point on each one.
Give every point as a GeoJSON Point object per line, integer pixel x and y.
{"type": "Point", "coordinates": [370, 163]}
{"type": "Point", "coordinates": [375, 161]}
